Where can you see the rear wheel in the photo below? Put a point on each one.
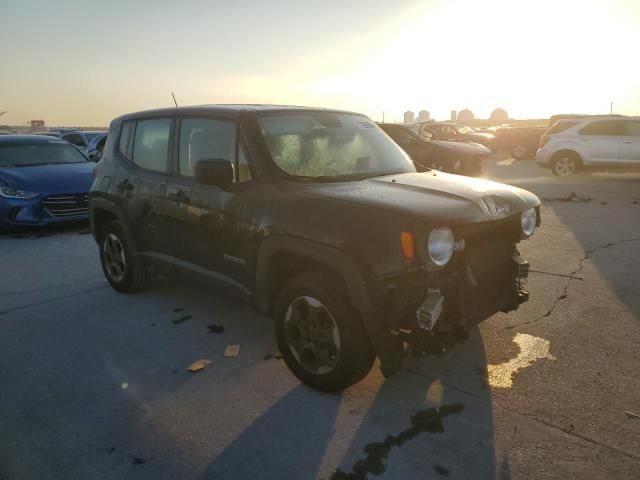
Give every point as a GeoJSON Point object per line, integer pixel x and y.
{"type": "Point", "coordinates": [319, 333]}
{"type": "Point", "coordinates": [565, 164]}
{"type": "Point", "coordinates": [519, 152]}
{"type": "Point", "coordinates": [120, 265]}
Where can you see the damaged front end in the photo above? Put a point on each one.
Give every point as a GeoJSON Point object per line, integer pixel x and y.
{"type": "Point", "coordinates": [426, 308]}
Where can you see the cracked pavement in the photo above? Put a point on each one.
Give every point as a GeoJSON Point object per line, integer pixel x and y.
{"type": "Point", "coordinates": [68, 344]}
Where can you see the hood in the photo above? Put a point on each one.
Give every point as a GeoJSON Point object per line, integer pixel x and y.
{"type": "Point", "coordinates": [58, 178]}
{"type": "Point", "coordinates": [433, 197]}
{"type": "Point", "coordinates": [462, 148]}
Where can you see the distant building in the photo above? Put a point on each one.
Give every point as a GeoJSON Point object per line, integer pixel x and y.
{"type": "Point", "coordinates": [499, 115]}
{"type": "Point", "coordinates": [465, 115]}
{"type": "Point", "coordinates": [454, 115]}
{"type": "Point", "coordinates": [424, 116]}
{"type": "Point", "coordinates": [36, 124]}
{"type": "Point", "coordinates": [408, 117]}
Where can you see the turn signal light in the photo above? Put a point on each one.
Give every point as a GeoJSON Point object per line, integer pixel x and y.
{"type": "Point", "coordinates": [408, 245]}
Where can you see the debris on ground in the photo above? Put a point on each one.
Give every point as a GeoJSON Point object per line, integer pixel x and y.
{"type": "Point", "coordinates": [125, 385]}
{"type": "Point", "coordinates": [631, 414]}
{"type": "Point", "coordinates": [440, 470]}
{"type": "Point", "coordinates": [232, 351]}
{"type": "Point", "coordinates": [198, 365]}
{"type": "Point", "coordinates": [215, 328]}
{"type": "Point", "coordinates": [270, 356]}
{"type": "Point", "coordinates": [111, 450]}
{"type": "Point", "coordinates": [572, 197]}
{"type": "Point", "coordinates": [178, 309]}
{"type": "Point", "coordinates": [182, 319]}
{"type": "Point", "coordinates": [138, 461]}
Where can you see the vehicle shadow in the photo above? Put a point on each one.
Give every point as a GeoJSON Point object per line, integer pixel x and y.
{"type": "Point", "coordinates": [449, 388]}
{"type": "Point", "coordinates": [81, 227]}
{"type": "Point", "coordinates": [287, 441]}
{"type": "Point", "coordinates": [433, 419]}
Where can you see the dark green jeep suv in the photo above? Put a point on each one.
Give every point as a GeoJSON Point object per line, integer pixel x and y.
{"type": "Point", "coordinates": [320, 219]}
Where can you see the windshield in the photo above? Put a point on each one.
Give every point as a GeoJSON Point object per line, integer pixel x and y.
{"type": "Point", "coordinates": [464, 129]}
{"type": "Point", "coordinates": [27, 154]}
{"type": "Point", "coordinates": [92, 135]}
{"type": "Point", "coordinates": [321, 144]}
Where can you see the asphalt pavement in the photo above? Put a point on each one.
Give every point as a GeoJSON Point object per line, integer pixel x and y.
{"type": "Point", "coordinates": [93, 383]}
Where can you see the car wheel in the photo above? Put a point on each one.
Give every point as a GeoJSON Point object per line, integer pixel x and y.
{"type": "Point", "coordinates": [120, 265]}
{"type": "Point", "coordinates": [565, 164]}
{"type": "Point", "coordinates": [519, 152]}
{"type": "Point", "coordinates": [319, 333]}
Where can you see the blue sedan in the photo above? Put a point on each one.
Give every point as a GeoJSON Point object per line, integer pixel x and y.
{"type": "Point", "coordinates": [43, 180]}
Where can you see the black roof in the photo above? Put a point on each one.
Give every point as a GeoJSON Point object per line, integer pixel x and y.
{"type": "Point", "coordinates": [228, 110]}
{"type": "Point", "coordinates": [28, 139]}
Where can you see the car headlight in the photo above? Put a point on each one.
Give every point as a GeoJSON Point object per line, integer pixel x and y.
{"type": "Point", "coordinates": [528, 222]}
{"type": "Point", "coordinates": [440, 246]}
{"type": "Point", "coordinates": [10, 192]}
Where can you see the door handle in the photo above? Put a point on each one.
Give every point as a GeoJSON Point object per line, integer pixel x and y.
{"type": "Point", "coordinates": [124, 185]}
{"type": "Point", "coordinates": [627, 141]}
{"type": "Point", "coordinates": [179, 197]}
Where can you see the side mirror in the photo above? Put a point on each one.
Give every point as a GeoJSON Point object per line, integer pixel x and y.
{"type": "Point", "coordinates": [214, 172]}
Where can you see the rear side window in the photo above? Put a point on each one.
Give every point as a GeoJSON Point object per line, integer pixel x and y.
{"type": "Point", "coordinates": [606, 127]}
{"type": "Point", "coordinates": [75, 139]}
{"type": "Point", "coordinates": [632, 129]}
{"type": "Point", "coordinates": [125, 136]}
{"type": "Point", "coordinates": [560, 127]}
{"type": "Point", "coordinates": [151, 144]}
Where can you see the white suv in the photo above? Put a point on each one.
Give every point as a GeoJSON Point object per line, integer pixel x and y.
{"type": "Point", "coordinates": [606, 143]}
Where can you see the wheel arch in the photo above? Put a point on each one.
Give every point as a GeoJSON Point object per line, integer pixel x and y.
{"type": "Point", "coordinates": [281, 258]}
{"type": "Point", "coordinates": [102, 211]}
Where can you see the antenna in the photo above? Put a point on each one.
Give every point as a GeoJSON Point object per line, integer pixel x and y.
{"type": "Point", "coordinates": [174, 99]}
{"type": "Point", "coordinates": [611, 109]}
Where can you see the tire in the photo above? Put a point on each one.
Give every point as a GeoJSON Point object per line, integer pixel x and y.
{"type": "Point", "coordinates": [121, 266]}
{"type": "Point", "coordinates": [565, 164]}
{"type": "Point", "coordinates": [310, 311]}
{"type": "Point", "coordinates": [519, 152]}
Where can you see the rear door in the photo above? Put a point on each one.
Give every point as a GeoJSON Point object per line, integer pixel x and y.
{"type": "Point", "coordinates": [630, 148]}
{"type": "Point", "coordinates": [602, 140]}
{"type": "Point", "coordinates": [141, 182]}
{"type": "Point", "coordinates": [209, 225]}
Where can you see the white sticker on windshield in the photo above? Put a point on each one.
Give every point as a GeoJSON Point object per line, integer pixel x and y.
{"type": "Point", "coordinates": [363, 125]}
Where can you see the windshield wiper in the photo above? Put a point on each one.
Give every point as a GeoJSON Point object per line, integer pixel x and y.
{"type": "Point", "coordinates": [344, 178]}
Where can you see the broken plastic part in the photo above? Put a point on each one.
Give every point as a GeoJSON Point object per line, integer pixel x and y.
{"type": "Point", "coordinates": [431, 309]}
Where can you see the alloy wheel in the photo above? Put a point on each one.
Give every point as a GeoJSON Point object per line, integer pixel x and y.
{"type": "Point", "coordinates": [565, 166]}
{"type": "Point", "coordinates": [312, 335]}
{"type": "Point", "coordinates": [114, 257]}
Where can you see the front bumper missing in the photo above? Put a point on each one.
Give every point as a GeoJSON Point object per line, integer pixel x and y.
{"type": "Point", "coordinates": [422, 308]}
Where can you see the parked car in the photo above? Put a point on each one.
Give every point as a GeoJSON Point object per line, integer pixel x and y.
{"type": "Point", "coordinates": [452, 157]}
{"type": "Point", "coordinates": [87, 142]}
{"type": "Point", "coordinates": [319, 218]}
{"type": "Point", "coordinates": [458, 132]}
{"type": "Point", "coordinates": [606, 143]}
{"type": "Point", "coordinates": [521, 142]}
{"type": "Point", "coordinates": [43, 180]}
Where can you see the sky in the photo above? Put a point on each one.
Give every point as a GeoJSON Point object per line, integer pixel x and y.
{"type": "Point", "coordinates": [83, 63]}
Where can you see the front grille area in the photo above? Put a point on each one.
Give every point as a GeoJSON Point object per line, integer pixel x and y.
{"type": "Point", "coordinates": [67, 205]}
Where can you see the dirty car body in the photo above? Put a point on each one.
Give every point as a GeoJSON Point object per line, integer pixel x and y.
{"type": "Point", "coordinates": [311, 213]}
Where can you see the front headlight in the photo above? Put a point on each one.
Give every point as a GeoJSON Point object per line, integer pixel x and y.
{"type": "Point", "coordinates": [10, 192]}
{"type": "Point", "coordinates": [440, 246]}
{"type": "Point", "coordinates": [528, 222]}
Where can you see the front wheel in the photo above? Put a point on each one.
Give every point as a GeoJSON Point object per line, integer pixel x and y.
{"type": "Point", "coordinates": [319, 333]}
{"type": "Point", "coordinates": [120, 265]}
{"type": "Point", "coordinates": [565, 164]}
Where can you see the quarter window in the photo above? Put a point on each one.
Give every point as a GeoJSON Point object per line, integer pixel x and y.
{"type": "Point", "coordinates": [151, 144]}
{"type": "Point", "coordinates": [607, 127]}
{"type": "Point", "coordinates": [125, 135]}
